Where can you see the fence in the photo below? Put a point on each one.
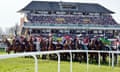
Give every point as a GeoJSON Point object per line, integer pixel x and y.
{"type": "Point", "coordinates": [58, 54]}
{"type": "Point", "coordinates": [2, 46]}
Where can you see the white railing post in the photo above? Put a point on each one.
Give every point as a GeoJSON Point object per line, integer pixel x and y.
{"type": "Point", "coordinates": [70, 61]}
{"type": "Point", "coordinates": [117, 57]}
{"type": "Point", "coordinates": [36, 63]}
{"type": "Point", "coordinates": [58, 54]}
{"type": "Point", "coordinates": [99, 59]}
{"type": "Point", "coordinates": [87, 60]}
{"type": "Point", "coordinates": [112, 59]}
{"type": "Point", "coordinates": [109, 58]}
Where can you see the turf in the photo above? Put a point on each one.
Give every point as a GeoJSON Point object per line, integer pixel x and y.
{"type": "Point", "coordinates": [22, 64]}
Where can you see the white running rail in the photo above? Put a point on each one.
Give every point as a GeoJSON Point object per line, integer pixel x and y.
{"type": "Point", "coordinates": [58, 54]}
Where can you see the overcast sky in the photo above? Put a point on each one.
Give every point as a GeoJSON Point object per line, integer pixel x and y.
{"type": "Point", "coordinates": [9, 16]}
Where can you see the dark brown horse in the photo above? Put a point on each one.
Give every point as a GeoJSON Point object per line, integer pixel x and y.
{"type": "Point", "coordinates": [67, 45]}
{"type": "Point", "coordinates": [30, 46]}
{"type": "Point", "coordinates": [15, 47]}
{"type": "Point", "coordinates": [9, 46]}
{"type": "Point", "coordinates": [59, 46]}
{"type": "Point", "coordinates": [94, 45]}
{"type": "Point", "coordinates": [50, 44]}
{"type": "Point", "coordinates": [78, 46]}
{"type": "Point", "coordinates": [43, 44]}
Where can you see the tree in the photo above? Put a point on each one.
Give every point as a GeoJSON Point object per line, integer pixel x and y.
{"type": "Point", "coordinates": [16, 29]}
{"type": "Point", "coordinates": [12, 31]}
{"type": "Point", "coordinates": [1, 33]}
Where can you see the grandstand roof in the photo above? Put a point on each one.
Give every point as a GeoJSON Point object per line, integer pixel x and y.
{"type": "Point", "coordinates": [65, 6]}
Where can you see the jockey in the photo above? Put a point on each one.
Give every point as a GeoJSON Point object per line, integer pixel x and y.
{"type": "Point", "coordinates": [21, 39]}
{"type": "Point", "coordinates": [116, 44]}
{"type": "Point", "coordinates": [86, 41]}
{"type": "Point", "coordinates": [30, 39]}
{"type": "Point", "coordinates": [37, 42]}
{"type": "Point", "coordinates": [17, 38]}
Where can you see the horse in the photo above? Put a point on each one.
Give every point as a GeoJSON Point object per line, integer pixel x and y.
{"type": "Point", "coordinates": [9, 46]}
{"type": "Point", "coordinates": [25, 45]}
{"type": "Point", "coordinates": [59, 46]}
{"type": "Point", "coordinates": [51, 46]}
{"type": "Point", "coordinates": [30, 46]}
{"type": "Point", "coordinates": [115, 47]}
{"type": "Point", "coordinates": [79, 46]}
{"type": "Point", "coordinates": [67, 45]}
{"type": "Point", "coordinates": [94, 45]}
{"type": "Point", "coordinates": [17, 46]}
{"type": "Point", "coordinates": [104, 55]}
{"type": "Point", "coordinates": [43, 46]}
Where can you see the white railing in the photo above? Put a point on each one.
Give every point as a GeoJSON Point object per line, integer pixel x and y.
{"type": "Point", "coordinates": [58, 54]}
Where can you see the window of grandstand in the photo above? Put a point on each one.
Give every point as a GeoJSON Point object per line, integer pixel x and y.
{"type": "Point", "coordinates": [61, 31]}
{"type": "Point", "coordinates": [60, 20]}
{"type": "Point", "coordinates": [50, 12]}
{"type": "Point", "coordinates": [61, 13]}
{"type": "Point", "coordinates": [77, 13]}
{"type": "Point", "coordinates": [66, 6]}
{"type": "Point", "coordinates": [94, 14]}
{"type": "Point", "coordinates": [95, 31]}
{"type": "Point", "coordinates": [42, 12]}
{"type": "Point", "coordinates": [109, 31]}
{"type": "Point", "coordinates": [100, 31]}
{"type": "Point", "coordinates": [78, 31]}
{"type": "Point", "coordinates": [84, 13]}
{"type": "Point", "coordinates": [66, 31]}
{"type": "Point", "coordinates": [86, 20]}
{"type": "Point", "coordinates": [48, 30]}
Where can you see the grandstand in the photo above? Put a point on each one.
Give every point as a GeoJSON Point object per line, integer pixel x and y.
{"type": "Point", "coordinates": [44, 17]}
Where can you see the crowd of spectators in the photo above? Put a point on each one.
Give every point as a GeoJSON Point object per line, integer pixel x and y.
{"type": "Point", "coordinates": [72, 19]}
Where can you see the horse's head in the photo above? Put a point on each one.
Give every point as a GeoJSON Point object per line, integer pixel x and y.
{"type": "Point", "coordinates": [91, 45]}
{"type": "Point", "coordinates": [7, 42]}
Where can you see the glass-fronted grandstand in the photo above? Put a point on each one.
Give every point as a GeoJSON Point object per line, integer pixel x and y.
{"type": "Point", "coordinates": [44, 17]}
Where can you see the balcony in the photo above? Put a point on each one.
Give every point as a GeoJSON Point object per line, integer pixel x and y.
{"type": "Point", "coordinates": [72, 26]}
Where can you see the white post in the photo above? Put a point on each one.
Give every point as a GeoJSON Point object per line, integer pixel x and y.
{"type": "Point", "coordinates": [109, 58]}
{"type": "Point", "coordinates": [117, 57]}
{"type": "Point", "coordinates": [112, 59]}
{"type": "Point", "coordinates": [58, 62]}
{"type": "Point", "coordinates": [99, 58]}
{"type": "Point", "coordinates": [70, 62]}
{"type": "Point", "coordinates": [87, 61]}
{"type": "Point", "coordinates": [36, 63]}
